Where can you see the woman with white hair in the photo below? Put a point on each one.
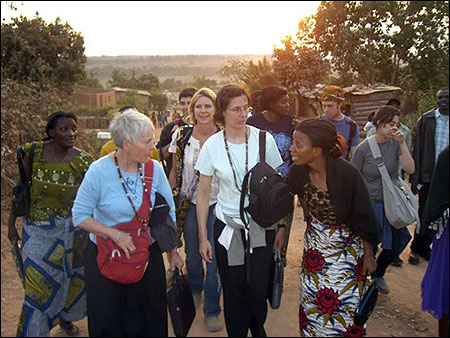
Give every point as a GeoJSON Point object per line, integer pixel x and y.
{"type": "Point", "coordinates": [113, 204]}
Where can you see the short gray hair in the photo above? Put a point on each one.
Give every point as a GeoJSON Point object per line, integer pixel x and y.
{"type": "Point", "coordinates": [130, 126]}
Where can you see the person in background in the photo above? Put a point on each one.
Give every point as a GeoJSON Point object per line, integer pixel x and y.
{"type": "Point", "coordinates": [154, 119]}
{"type": "Point", "coordinates": [229, 155]}
{"type": "Point", "coordinates": [276, 120]}
{"type": "Point", "coordinates": [51, 247]}
{"type": "Point", "coordinates": [110, 146]}
{"type": "Point", "coordinates": [165, 138]}
{"type": "Point", "coordinates": [111, 193]}
{"type": "Point", "coordinates": [308, 112]}
{"type": "Point", "coordinates": [183, 179]}
{"type": "Point", "coordinates": [432, 136]}
{"type": "Point", "coordinates": [371, 130]}
{"type": "Point", "coordinates": [333, 105]}
{"type": "Point", "coordinates": [435, 285]}
{"type": "Point", "coordinates": [255, 100]}
{"type": "Point", "coordinates": [341, 234]}
{"type": "Point", "coordinates": [394, 151]}
{"type": "Point", "coordinates": [369, 125]}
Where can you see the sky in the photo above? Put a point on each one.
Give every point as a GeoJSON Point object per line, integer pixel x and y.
{"type": "Point", "coordinates": [173, 27]}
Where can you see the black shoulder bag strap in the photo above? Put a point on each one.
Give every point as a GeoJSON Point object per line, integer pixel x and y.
{"type": "Point", "coordinates": [23, 176]}
{"type": "Point", "coordinates": [350, 139]}
{"type": "Point", "coordinates": [262, 158]}
{"type": "Point", "coordinates": [262, 146]}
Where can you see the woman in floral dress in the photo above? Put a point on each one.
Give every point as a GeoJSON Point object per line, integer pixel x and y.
{"type": "Point", "coordinates": [342, 232]}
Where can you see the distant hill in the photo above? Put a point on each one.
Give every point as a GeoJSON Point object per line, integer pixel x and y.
{"type": "Point", "coordinates": [180, 67]}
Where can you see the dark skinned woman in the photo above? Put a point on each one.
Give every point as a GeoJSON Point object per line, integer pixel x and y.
{"type": "Point", "coordinates": [51, 246]}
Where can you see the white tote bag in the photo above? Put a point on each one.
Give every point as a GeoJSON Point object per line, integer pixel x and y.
{"type": "Point", "coordinates": [400, 204]}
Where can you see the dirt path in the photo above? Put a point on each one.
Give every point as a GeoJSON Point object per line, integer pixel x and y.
{"type": "Point", "coordinates": [396, 315]}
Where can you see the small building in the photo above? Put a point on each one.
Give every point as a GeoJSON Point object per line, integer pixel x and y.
{"type": "Point", "coordinates": [360, 101]}
{"type": "Point", "coordinates": [143, 95]}
{"type": "Point", "coordinates": [97, 98]}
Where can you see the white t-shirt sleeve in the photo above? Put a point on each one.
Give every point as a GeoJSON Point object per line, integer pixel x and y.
{"type": "Point", "coordinates": [273, 157]}
{"type": "Point", "coordinates": [173, 143]}
{"type": "Point", "coordinates": [204, 163]}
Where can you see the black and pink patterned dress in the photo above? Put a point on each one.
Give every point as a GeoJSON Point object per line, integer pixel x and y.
{"type": "Point", "coordinates": [331, 278]}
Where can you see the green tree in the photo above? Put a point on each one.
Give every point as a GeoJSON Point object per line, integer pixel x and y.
{"type": "Point", "coordinates": [91, 81]}
{"type": "Point", "coordinates": [147, 82]}
{"type": "Point", "coordinates": [131, 98]}
{"type": "Point", "coordinates": [119, 79]}
{"type": "Point", "coordinates": [37, 52]}
{"type": "Point", "coordinates": [394, 42]}
{"type": "Point", "coordinates": [252, 75]}
{"type": "Point", "coordinates": [158, 99]}
{"type": "Point", "coordinates": [202, 81]}
{"type": "Point", "coordinates": [299, 64]}
{"type": "Point", "coordinates": [172, 84]}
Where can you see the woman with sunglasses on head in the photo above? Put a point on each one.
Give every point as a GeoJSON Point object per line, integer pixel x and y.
{"type": "Point", "coordinates": [229, 155]}
{"type": "Point", "coordinates": [186, 145]}
{"type": "Point", "coordinates": [51, 247]}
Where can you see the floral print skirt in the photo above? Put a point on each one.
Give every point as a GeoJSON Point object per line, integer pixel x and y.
{"type": "Point", "coordinates": [331, 281]}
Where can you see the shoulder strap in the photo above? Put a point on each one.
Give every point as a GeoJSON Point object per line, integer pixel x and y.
{"type": "Point", "coordinates": [148, 179]}
{"type": "Point", "coordinates": [379, 161]}
{"type": "Point", "coordinates": [20, 157]}
{"type": "Point", "coordinates": [242, 200]}
{"type": "Point", "coordinates": [351, 136]}
{"type": "Point", "coordinates": [20, 165]}
{"type": "Point", "coordinates": [262, 146]}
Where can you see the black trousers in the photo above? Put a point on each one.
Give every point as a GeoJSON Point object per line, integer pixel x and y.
{"type": "Point", "coordinates": [133, 310]}
{"type": "Point", "coordinates": [422, 241]}
{"type": "Point", "coordinates": [245, 305]}
{"type": "Point", "coordinates": [386, 257]}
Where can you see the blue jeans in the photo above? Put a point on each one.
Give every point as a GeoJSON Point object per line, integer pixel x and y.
{"type": "Point", "coordinates": [194, 262]}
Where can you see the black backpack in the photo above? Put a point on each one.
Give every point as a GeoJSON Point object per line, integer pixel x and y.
{"type": "Point", "coordinates": [270, 198]}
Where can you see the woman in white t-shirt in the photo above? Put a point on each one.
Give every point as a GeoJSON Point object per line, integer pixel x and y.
{"type": "Point", "coordinates": [229, 155]}
{"type": "Point", "coordinates": [186, 144]}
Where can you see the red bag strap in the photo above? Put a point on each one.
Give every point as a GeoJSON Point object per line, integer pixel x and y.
{"type": "Point", "coordinates": [148, 179]}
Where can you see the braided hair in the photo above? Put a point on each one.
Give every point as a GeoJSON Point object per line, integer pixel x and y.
{"type": "Point", "coordinates": [323, 134]}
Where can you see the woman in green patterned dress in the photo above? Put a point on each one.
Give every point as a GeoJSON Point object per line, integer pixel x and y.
{"type": "Point", "coordinates": [51, 246]}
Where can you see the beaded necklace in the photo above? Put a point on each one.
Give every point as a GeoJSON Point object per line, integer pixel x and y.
{"type": "Point", "coordinates": [144, 222]}
{"type": "Point", "coordinates": [229, 156]}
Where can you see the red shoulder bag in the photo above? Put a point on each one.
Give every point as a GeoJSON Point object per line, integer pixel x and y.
{"type": "Point", "coordinates": [112, 261]}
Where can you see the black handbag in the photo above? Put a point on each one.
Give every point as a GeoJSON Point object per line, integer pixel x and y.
{"type": "Point", "coordinates": [276, 281]}
{"type": "Point", "coordinates": [366, 305]}
{"type": "Point", "coordinates": [181, 305]}
{"type": "Point", "coordinates": [162, 227]}
{"type": "Point", "coordinates": [21, 192]}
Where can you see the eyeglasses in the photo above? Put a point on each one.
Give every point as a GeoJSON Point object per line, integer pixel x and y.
{"type": "Point", "coordinates": [237, 110]}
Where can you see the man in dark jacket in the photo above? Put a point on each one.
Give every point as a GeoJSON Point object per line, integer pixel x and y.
{"type": "Point", "coordinates": [184, 99]}
{"type": "Point", "coordinates": [432, 136]}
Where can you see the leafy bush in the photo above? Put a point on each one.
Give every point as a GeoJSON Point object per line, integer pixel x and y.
{"type": "Point", "coordinates": [25, 108]}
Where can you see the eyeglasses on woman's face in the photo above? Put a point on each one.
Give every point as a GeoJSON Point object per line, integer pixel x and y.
{"type": "Point", "coordinates": [236, 110]}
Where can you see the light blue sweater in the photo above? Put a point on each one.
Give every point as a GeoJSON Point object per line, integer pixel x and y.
{"type": "Point", "coordinates": [101, 195]}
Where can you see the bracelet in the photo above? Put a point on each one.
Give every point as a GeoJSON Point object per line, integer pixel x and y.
{"type": "Point", "coordinates": [203, 240]}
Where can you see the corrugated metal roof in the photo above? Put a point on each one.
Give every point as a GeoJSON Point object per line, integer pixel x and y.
{"type": "Point", "coordinates": [352, 90]}
{"type": "Point", "coordinates": [140, 92]}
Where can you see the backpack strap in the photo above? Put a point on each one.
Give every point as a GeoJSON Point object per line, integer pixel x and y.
{"type": "Point", "coordinates": [351, 137]}
{"type": "Point", "coordinates": [20, 156]}
{"type": "Point", "coordinates": [262, 146]}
